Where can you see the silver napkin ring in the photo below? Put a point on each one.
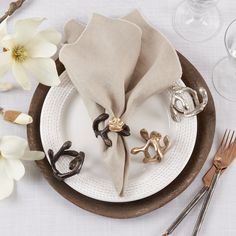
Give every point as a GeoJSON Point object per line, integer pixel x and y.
{"type": "Point", "coordinates": [183, 107]}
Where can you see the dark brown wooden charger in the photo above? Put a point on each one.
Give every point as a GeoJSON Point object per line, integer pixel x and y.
{"type": "Point", "coordinates": [205, 134]}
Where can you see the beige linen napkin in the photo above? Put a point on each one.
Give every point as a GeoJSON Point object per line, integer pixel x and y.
{"type": "Point", "coordinates": [116, 64]}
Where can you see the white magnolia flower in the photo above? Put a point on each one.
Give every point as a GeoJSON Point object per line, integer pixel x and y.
{"type": "Point", "coordinates": [12, 150]}
{"type": "Point", "coordinates": [27, 50]}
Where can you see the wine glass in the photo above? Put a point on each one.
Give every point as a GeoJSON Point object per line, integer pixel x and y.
{"type": "Point", "coordinates": [224, 73]}
{"type": "Point", "coordinates": [197, 20]}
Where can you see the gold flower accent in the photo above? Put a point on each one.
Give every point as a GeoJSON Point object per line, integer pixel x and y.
{"type": "Point", "coordinates": [115, 124]}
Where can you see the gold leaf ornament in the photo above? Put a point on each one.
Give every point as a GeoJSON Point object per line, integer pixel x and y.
{"type": "Point", "coordinates": [155, 141]}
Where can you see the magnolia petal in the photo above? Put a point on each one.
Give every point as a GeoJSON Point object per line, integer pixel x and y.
{"type": "Point", "coordinates": [3, 29]}
{"type": "Point", "coordinates": [14, 169]}
{"type": "Point", "coordinates": [26, 29]}
{"type": "Point", "coordinates": [21, 76]}
{"type": "Point", "coordinates": [23, 119]}
{"type": "Point", "coordinates": [5, 60]}
{"type": "Point", "coordinates": [44, 69]}
{"type": "Point", "coordinates": [38, 47]}
{"type": "Point", "coordinates": [50, 35]}
{"type": "Point", "coordinates": [32, 155]}
{"type": "Point", "coordinates": [6, 183]}
{"type": "Point", "coordinates": [8, 41]}
{"type": "Point", "coordinates": [12, 147]}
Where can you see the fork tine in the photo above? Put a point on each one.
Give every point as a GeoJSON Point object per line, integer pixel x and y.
{"type": "Point", "coordinates": [230, 141]}
{"type": "Point", "coordinates": [233, 149]}
{"type": "Point", "coordinates": [230, 148]}
{"type": "Point", "coordinates": [232, 137]}
{"type": "Point", "coordinates": [222, 141]}
{"type": "Point", "coordinates": [226, 141]}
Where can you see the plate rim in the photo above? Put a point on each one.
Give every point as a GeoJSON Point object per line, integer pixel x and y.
{"type": "Point", "coordinates": [68, 88]}
{"type": "Point", "coordinates": [205, 135]}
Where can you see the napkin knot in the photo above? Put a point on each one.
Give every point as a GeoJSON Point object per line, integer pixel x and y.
{"type": "Point", "coordinates": [114, 125]}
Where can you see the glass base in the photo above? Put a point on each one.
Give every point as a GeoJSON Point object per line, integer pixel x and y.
{"type": "Point", "coordinates": [195, 27]}
{"type": "Point", "coordinates": [224, 79]}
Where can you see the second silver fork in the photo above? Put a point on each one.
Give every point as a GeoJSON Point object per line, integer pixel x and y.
{"type": "Point", "coordinates": [221, 162]}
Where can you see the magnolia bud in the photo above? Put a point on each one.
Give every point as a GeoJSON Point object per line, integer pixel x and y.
{"type": "Point", "coordinates": [17, 117]}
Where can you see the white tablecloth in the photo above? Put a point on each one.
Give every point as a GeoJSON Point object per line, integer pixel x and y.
{"type": "Point", "coordinates": [36, 209]}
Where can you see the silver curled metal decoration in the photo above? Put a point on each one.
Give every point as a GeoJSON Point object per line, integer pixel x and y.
{"type": "Point", "coordinates": [181, 106]}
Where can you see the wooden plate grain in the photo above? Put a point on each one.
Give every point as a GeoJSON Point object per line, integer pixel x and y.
{"type": "Point", "coordinates": [205, 135]}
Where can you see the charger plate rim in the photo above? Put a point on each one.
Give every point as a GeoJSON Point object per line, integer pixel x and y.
{"type": "Point", "coordinates": [205, 134]}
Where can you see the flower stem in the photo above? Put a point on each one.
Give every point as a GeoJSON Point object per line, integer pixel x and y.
{"type": "Point", "coordinates": [12, 8]}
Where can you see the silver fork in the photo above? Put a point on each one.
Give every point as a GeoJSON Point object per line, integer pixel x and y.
{"type": "Point", "coordinates": [208, 178]}
{"type": "Point", "coordinates": [221, 161]}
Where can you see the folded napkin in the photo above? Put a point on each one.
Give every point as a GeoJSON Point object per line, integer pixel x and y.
{"type": "Point", "coordinates": [116, 64]}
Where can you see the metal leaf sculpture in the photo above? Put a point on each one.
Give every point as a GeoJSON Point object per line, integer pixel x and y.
{"type": "Point", "coordinates": [181, 106]}
{"type": "Point", "coordinates": [75, 165]}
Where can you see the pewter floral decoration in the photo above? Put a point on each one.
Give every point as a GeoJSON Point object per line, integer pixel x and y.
{"type": "Point", "coordinates": [181, 106]}
{"type": "Point", "coordinates": [13, 149]}
{"type": "Point", "coordinates": [152, 141]}
{"type": "Point", "coordinates": [28, 50]}
{"type": "Point", "coordinates": [75, 164]}
{"type": "Point", "coordinates": [114, 125]}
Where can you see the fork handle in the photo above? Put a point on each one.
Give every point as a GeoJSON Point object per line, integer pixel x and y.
{"type": "Point", "coordinates": [186, 210]}
{"type": "Point", "coordinates": [206, 203]}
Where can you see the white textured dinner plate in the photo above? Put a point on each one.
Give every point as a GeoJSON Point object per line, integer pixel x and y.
{"type": "Point", "coordinates": [64, 117]}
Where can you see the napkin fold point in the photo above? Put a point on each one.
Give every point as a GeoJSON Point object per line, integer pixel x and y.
{"type": "Point", "coordinates": [116, 64]}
